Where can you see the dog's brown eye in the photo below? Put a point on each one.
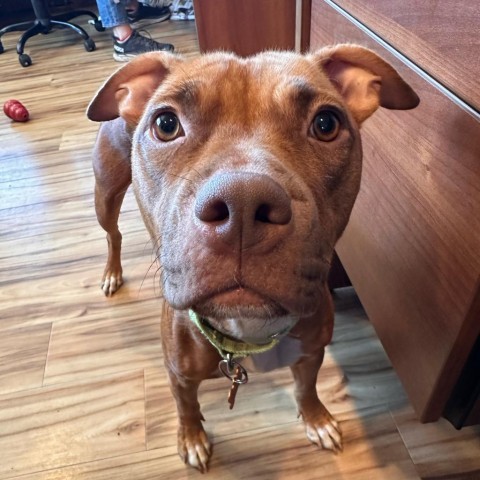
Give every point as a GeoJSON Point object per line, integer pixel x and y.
{"type": "Point", "coordinates": [167, 126]}
{"type": "Point", "coordinates": [326, 126]}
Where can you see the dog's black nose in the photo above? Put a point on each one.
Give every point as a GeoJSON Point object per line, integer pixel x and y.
{"type": "Point", "coordinates": [243, 209]}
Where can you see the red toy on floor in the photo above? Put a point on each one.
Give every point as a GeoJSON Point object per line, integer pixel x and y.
{"type": "Point", "coordinates": [16, 111]}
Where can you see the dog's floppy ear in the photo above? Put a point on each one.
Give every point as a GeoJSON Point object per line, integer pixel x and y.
{"type": "Point", "coordinates": [365, 80]}
{"type": "Point", "coordinates": [128, 90]}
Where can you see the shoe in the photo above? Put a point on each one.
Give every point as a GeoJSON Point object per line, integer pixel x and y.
{"type": "Point", "coordinates": [182, 10]}
{"type": "Point", "coordinates": [157, 3]}
{"type": "Point", "coordinates": [136, 45]}
{"type": "Point", "coordinates": [159, 14]}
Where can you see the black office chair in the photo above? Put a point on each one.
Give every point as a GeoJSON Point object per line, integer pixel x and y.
{"type": "Point", "coordinates": [44, 22]}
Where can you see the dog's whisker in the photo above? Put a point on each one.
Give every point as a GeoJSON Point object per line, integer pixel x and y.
{"type": "Point", "coordinates": [148, 243]}
{"type": "Point", "coordinates": [198, 173]}
{"type": "Point", "coordinates": [180, 176]}
{"type": "Point", "coordinates": [155, 281]}
{"type": "Point", "coordinates": [146, 274]}
{"type": "Point", "coordinates": [154, 259]}
{"type": "Point", "coordinates": [158, 253]}
{"type": "Point", "coordinates": [157, 241]}
{"type": "Point", "coordinates": [162, 278]}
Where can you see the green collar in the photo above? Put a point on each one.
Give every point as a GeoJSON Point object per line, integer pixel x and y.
{"type": "Point", "coordinates": [226, 345]}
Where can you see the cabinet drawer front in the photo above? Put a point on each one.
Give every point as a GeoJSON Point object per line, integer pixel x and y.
{"type": "Point", "coordinates": [443, 37]}
{"type": "Point", "coordinates": [412, 244]}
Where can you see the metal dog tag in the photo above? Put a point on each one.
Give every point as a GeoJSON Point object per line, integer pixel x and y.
{"type": "Point", "coordinates": [236, 373]}
{"type": "Point", "coordinates": [234, 388]}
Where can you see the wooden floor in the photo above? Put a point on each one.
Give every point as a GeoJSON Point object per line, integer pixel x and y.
{"type": "Point", "coordinates": [83, 392]}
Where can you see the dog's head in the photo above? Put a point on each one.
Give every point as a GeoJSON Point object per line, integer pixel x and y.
{"type": "Point", "coordinates": [246, 171]}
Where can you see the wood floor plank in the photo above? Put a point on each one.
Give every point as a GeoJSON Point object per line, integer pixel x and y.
{"type": "Point", "coordinates": [23, 353]}
{"type": "Point", "coordinates": [71, 423]}
{"type": "Point", "coordinates": [159, 464]}
{"type": "Point", "coordinates": [39, 295]}
{"type": "Point", "coordinates": [160, 410]}
{"type": "Point", "coordinates": [438, 450]}
{"type": "Point", "coordinates": [100, 347]}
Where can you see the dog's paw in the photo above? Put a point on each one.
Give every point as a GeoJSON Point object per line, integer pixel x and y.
{"type": "Point", "coordinates": [112, 280]}
{"type": "Point", "coordinates": [323, 430]}
{"type": "Point", "coordinates": [194, 447]}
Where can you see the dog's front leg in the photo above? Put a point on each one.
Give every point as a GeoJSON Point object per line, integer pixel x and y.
{"type": "Point", "coordinates": [320, 426]}
{"type": "Point", "coordinates": [193, 445]}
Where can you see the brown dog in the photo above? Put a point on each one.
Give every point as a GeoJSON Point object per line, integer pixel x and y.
{"type": "Point", "coordinates": [245, 171]}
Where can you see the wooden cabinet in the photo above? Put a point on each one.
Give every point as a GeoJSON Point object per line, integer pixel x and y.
{"type": "Point", "coordinates": [412, 246]}
{"type": "Point", "coordinates": [249, 26]}
{"type": "Point", "coordinates": [440, 37]}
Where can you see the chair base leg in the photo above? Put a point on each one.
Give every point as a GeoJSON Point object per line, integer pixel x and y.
{"type": "Point", "coordinates": [44, 26]}
{"type": "Point", "coordinates": [35, 29]}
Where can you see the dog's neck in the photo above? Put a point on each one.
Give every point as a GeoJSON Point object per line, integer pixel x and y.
{"type": "Point", "coordinates": [226, 345]}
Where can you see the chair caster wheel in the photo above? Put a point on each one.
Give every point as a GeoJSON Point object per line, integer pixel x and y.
{"type": "Point", "coordinates": [89, 45]}
{"type": "Point", "coordinates": [25, 60]}
{"type": "Point", "coordinates": [99, 26]}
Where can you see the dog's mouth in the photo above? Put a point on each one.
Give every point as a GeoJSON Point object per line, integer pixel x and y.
{"type": "Point", "coordinates": [240, 302]}
{"type": "Point", "coordinates": [245, 315]}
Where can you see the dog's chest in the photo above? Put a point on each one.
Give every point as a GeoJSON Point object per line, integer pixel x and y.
{"type": "Point", "coordinates": [284, 354]}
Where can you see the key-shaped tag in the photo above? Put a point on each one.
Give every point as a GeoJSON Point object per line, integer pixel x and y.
{"type": "Point", "coordinates": [234, 388]}
{"type": "Point", "coordinates": [236, 373]}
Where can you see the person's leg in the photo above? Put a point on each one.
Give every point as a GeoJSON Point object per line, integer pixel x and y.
{"type": "Point", "coordinates": [114, 16]}
{"type": "Point", "coordinates": [127, 43]}
{"type": "Point", "coordinates": [112, 13]}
